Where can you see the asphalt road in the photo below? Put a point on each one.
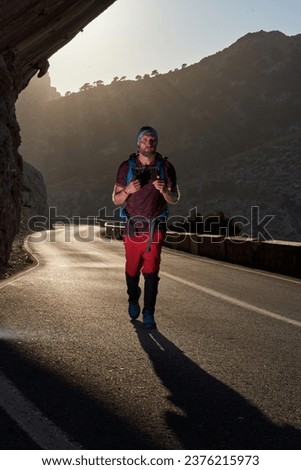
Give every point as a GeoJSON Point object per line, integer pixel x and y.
{"type": "Point", "coordinates": [222, 371]}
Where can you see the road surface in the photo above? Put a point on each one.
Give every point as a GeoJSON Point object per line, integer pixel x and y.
{"type": "Point", "coordinates": [222, 371]}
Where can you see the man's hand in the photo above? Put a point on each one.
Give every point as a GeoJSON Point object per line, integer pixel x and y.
{"type": "Point", "coordinates": [120, 193]}
{"type": "Point", "coordinates": [132, 187]}
{"type": "Point", "coordinates": [160, 185]}
{"type": "Point", "coordinates": [169, 196]}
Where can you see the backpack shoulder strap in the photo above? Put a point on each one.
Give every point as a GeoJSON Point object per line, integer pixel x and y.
{"type": "Point", "coordinates": [132, 164]}
{"type": "Point", "coordinates": [129, 176]}
{"type": "Point", "coordinates": [161, 166]}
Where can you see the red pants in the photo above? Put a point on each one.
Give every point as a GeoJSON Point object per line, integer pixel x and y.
{"type": "Point", "coordinates": [136, 256]}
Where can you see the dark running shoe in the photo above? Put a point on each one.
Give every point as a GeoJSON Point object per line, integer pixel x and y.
{"type": "Point", "coordinates": [148, 320]}
{"type": "Point", "coordinates": [134, 307]}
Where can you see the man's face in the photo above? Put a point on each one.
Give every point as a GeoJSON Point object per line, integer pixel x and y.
{"type": "Point", "coordinates": [148, 145]}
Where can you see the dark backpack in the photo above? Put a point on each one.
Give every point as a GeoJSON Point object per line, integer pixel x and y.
{"type": "Point", "coordinates": [160, 166]}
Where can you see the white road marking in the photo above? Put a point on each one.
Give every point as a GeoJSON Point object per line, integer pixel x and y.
{"type": "Point", "coordinates": [93, 265]}
{"type": "Point", "coordinates": [40, 429]}
{"type": "Point", "coordinates": [233, 300]}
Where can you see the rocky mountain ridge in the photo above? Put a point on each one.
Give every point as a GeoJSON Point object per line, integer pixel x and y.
{"type": "Point", "coordinates": [231, 124]}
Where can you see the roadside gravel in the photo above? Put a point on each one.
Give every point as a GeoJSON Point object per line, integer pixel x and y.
{"type": "Point", "coordinates": [20, 259]}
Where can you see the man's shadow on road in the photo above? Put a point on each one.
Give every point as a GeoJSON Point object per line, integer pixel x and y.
{"type": "Point", "coordinates": [211, 414]}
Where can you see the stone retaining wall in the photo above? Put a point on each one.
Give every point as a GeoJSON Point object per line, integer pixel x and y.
{"type": "Point", "coordinates": [276, 256]}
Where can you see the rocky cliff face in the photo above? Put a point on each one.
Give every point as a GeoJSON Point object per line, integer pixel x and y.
{"type": "Point", "coordinates": [34, 194]}
{"type": "Point", "coordinates": [10, 164]}
{"type": "Point", "coordinates": [31, 31]}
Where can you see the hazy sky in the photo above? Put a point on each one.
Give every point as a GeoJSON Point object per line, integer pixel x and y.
{"type": "Point", "coordinates": [134, 37]}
